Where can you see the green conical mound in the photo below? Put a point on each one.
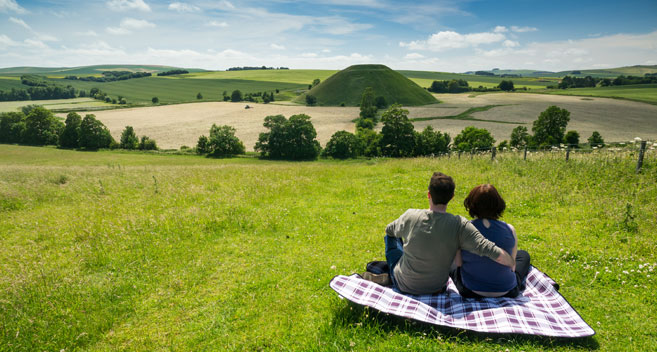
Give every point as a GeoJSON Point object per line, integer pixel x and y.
{"type": "Point", "coordinates": [347, 87]}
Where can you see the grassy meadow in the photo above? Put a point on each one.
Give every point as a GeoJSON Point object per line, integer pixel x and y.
{"type": "Point", "coordinates": [645, 93]}
{"type": "Point", "coordinates": [107, 251]}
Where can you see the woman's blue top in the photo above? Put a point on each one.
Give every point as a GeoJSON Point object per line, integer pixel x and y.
{"type": "Point", "coordinates": [483, 274]}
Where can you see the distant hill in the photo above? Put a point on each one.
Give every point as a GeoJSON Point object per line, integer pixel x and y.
{"type": "Point", "coordinates": [637, 70]}
{"type": "Point", "coordinates": [88, 70]}
{"type": "Point", "coordinates": [347, 87]}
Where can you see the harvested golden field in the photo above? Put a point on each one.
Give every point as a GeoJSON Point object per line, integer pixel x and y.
{"type": "Point", "coordinates": [175, 125]}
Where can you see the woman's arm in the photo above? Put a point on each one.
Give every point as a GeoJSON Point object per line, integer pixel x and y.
{"type": "Point", "coordinates": [514, 251]}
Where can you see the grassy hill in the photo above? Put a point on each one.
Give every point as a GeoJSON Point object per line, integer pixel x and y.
{"type": "Point", "coordinates": [347, 87]}
{"type": "Point", "coordinates": [636, 70]}
{"type": "Point", "coordinates": [88, 70]}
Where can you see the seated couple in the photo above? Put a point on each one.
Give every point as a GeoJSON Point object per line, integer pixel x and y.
{"type": "Point", "coordinates": [425, 247]}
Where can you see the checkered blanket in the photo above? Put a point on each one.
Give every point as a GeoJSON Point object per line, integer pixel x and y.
{"type": "Point", "coordinates": [540, 310]}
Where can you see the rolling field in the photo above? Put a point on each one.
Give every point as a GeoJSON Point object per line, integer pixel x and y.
{"type": "Point", "coordinates": [175, 125]}
{"type": "Point", "coordinates": [646, 93]}
{"type": "Point", "coordinates": [56, 104]}
{"type": "Point", "coordinates": [115, 251]}
{"type": "Point", "coordinates": [425, 78]}
{"type": "Point", "coordinates": [304, 77]}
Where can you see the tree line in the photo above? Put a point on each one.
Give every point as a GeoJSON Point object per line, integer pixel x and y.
{"type": "Point", "coordinates": [173, 72]}
{"type": "Point", "coordinates": [247, 68]}
{"type": "Point", "coordinates": [35, 125]}
{"type": "Point", "coordinates": [461, 85]}
{"type": "Point", "coordinates": [111, 76]}
{"type": "Point", "coordinates": [39, 89]}
{"type": "Point", "coordinates": [588, 81]}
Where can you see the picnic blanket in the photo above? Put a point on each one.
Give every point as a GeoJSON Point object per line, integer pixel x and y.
{"type": "Point", "coordinates": [540, 310]}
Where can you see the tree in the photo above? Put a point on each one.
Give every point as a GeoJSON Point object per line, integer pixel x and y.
{"type": "Point", "coordinates": [430, 142]}
{"type": "Point", "coordinates": [12, 127]}
{"type": "Point", "coordinates": [93, 134]}
{"type": "Point", "coordinates": [397, 134]}
{"type": "Point", "coordinates": [42, 127]}
{"type": "Point", "coordinates": [370, 142]}
{"type": "Point", "coordinates": [367, 105]}
{"type": "Point", "coordinates": [572, 139]}
{"type": "Point", "coordinates": [27, 109]}
{"type": "Point", "coordinates": [129, 139]}
{"type": "Point", "coordinates": [519, 137]}
{"type": "Point", "coordinates": [236, 96]}
{"type": "Point", "coordinates": [472, 139]}
{"type": "Point", "coordinates": [222, 142]}
{"type": "Point", "coordinates": [342, 145]}
{"type": "Point", "coordinates": [199, 96]}
{"type": "Point", "coordinates": [365, 123]}
{"type": "Point", "coordinates": [147, 143]}
{"type": "Point", "coordinates": [311, 100]}
{"type": "Point", "coordinates": [316, 82]}
{"type": "Point", "coordinates": [380, 102]}
{"type": "Point", "coordinates": [71, 134]}
{"type": "Point", "coordinates": [293, 139]}
{"type": "Point", "coordinates": [506, 86]}
{"type": "Point", "coordinates": [550, 126]}
{"type": "Point", "coordinates": [155, 100]}
{"type": "Point", "coordinates": [203, 145]}
{"type": "Point", "coordinates": [596, 140]}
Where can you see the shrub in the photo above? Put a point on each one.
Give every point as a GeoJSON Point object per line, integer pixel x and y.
{"type": "Point", "coordinates": [129, 139]}
{"type": "Point", "coordinates": [12, 127]}
{"type": "Point", "coordinates": [71, 134]}
{"type": "Point", "coordinates": [155, 100]}
{"type": "Point", "coordinates": [370, 142]}
{"type": "Point", "coordinates": [199, 96]}
{"type": "Point", "coordinates": [596, 140]}
{"type": "Point", "coordinates": [42, 127]}
{"type": "Point", "coordinates": [430, 142]}
{"type": "Point", "coordinates": [311, 100]}
{"type": "Point", "coordinates": [550, 126]}
{"type": "Point", "coordinates": [397, 134]}
{"type": "Point", "coordinates": [365, 123]}
{"type": "Point", "coordinates": [472, 138]}
{"type": "Point", "coordinates": [506, 86]}
{"type": "Point", "coordinates": [223, 142]}
{"type": "Point", "coordinates": [342, 145]}
{"type": "Point", "coordinates": [292, 139]}
{"type": "Point", "coordinates": [572, 139]}
{"type": "Point", "coordinates": [93, 134]}
{"type": "Point", "coordinates": [503, 144]}
{"type": "Point", "coordinates": [147, 143]}
{"type": "Point", "coordinates": [519, 137]}
{"type": "Point", "coordinates": [367, 105]}
{"type": "Point", "coordinates": [236, 96]}
{"type": "Point", "coordinates": [202, 146]}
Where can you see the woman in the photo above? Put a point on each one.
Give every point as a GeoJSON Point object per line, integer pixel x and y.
{"type": "Point", "coordinates": [476, 276]}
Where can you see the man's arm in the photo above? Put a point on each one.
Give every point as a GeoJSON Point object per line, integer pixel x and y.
{"type": "Point", "coordinates": [506, 260]}
{"type": "Point", "coordinates": [473, 241]}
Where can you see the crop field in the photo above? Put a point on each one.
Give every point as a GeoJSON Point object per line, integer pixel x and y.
{"type": "Point", "coordinates": [425, 78]}
{"type": "Point", "coordinates": [304, 77]}
{"type": "Point", "coordinates": [105, 251]}
{"type": "Point", "coordinates": [176, 125]}
{"type": "Point", "coordinates": [646, 93]}
{"type": "Point", "coordinates": [57, 104]}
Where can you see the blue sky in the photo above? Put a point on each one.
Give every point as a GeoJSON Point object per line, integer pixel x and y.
{"type": "Point", "coordinates": [453, 36]}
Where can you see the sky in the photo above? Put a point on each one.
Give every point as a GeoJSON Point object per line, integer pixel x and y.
{"type": "Point", "coordinates": [438, 35]}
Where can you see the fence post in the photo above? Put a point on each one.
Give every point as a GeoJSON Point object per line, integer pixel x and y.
{"type": "Point", "coordinates": [493, 152]}
{"type": "Point", "coordinates": [567, 153]}
{"type": "Point", "coordinates": [525, 157]}
{"type": "Point", "coordinates": [639, 163]}
{"type": "Point", "coordinates": [459, 155]}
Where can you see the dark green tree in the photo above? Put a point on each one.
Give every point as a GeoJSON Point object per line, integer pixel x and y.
{"type": "Point", "coordinates": [71, 134]}
{"type": "Point", "coordinates": [365, 123]}
{"type": "Point", "coordinates": [506, 86]}
{"type": "Point", "coordinates": [316, 82]}
{"type": "Point", "coordinates": [367, 104]}
{"type": "Point", "coordinates": [199, 96]}
{"type": "Point", "coordinates": [343, 145]}
{"type": "Point", "coordinates": [223, 142]}
{"type": "Point", "coordinates": [155, 100]}
{"type": "Point", "coordinates": [236, 96]}
{"type": "Point", "coordinates": [397, 134]}
{"type": "Point", "coordinates": [42, 127]}
{"type": "Point", "coordinates": [93, 134]}
{"type": "Point", "coordinates": [572, 139]}
{"type": "Point", "coordinates": [519, 137]}
{"type": "Point", "coordinates": [370, 142]}
{"type": "Point", "coordinates": [380, 102]}
{"type": "Point", "coordinates": [146, 143]}
{"type": "Point", "coordinates": [311, 100]}
{"type": "Point", "coordinates": [596, 140]}
{"type": "Point", "coordinates": [12, 127]}
{"type": "Point", "coordinates": [550, 127]}
{"type": "Point", "coordinates": [430, 142]}
{"type": "Point", "coordinates": [293, 139]}
{"type": "Point", "coordinates": [203, 145]}
{"type": "Point", "coordinates": [473, 139]}
{"type": "Point", "coordinates": [129, 139]}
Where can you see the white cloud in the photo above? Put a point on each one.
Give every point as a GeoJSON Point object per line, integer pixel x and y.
{"type": "Point", "coordinates": [308, 55]}
{"type": "Point", "coordinates": [128, 25]}
{"type": "Point", "coordinates": [276, 46]}
{"type": "Point", "coordinates": [183, 7]}
{"type": "Point", "coordinates": [217, 24]}
{"type": "Point", "coordinates": [339, 26]}
{"type": "Point", "coordinates": [128, 5]}
{"type": "Point", "coordinates": [452, 40]}
{"type": "Point", "coordinates": [326, 50]}
{"type": "Point", "coordinates": [523, 29]}
{"type": "Point", "coordinates": [35, 44]}
{"type": "Point", "coordinates": [11, 6]}
{"type": "Point", "coordinates": [88, 33]}
{"type": "Point", "coordinates": [414, 56]}
{"type": "Point", "coordinates": [510, 43]}
{"type": "Point", "coordinates": [6, 41]}
{"type": "Point", "coordinates": [500, 29]}
{"type": "Point", "coordinates": [227, 5]}
{"type": "Point", "coordinates": [20, 22]}
{"type": "Point", "coordinates": [47, 38]}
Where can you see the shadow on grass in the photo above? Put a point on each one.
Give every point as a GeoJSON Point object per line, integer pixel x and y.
{"type": "Point", "coordinates": [349, 315]}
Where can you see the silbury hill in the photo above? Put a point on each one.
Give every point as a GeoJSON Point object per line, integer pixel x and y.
{"type": "Point", "coordinates": [347, 86]}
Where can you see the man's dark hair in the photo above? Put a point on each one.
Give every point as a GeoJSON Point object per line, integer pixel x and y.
{"type": "Point", "coordinates": [441, 188]}
{"type": "Point", "coordinates": [484, 202]}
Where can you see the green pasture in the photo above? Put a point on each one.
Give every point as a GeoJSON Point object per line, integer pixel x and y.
{"type": "Point", "coordinates": [87, 70]}
{"type": "Point", "coordinates": [57, 104]}
{"type": "Point", "coordinates": [106, 251]}
{"type": "Point", "coordinates": [646, 93]}
{"type": "Point", "coordinates": [304, 77]}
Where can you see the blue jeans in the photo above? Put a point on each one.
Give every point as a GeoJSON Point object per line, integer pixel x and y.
{"type": "Point", "coordinates": [394, 251]}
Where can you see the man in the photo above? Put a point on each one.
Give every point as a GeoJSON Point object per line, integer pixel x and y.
{"type": "Point", "coordinates": [421, 244]}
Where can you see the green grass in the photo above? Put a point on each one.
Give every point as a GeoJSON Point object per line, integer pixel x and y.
{"type": "Point", "coordinates": [467, 115]}
{"type": "Point", "coordinates": [57, 104]}
{"type": "Point", "coordinates": [114, 251]}
{"type": "Point", "coordinates": [304, 77]}
{"type": "Point", "coordinates": [347, 86]}
{"type": "Point", "coordinates": [645, 93]}
{"type": "Point", "coordinates": [87, 70]}
{"type": "Point", "coordinates": [425, 78]}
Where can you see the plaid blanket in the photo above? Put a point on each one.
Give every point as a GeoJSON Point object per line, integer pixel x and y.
{"type": "Point", "coordinates": [540, 310]}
